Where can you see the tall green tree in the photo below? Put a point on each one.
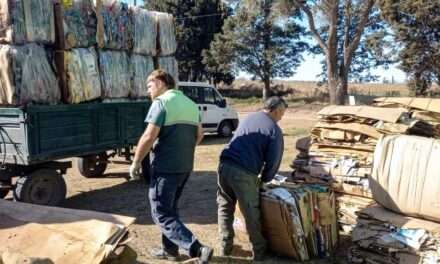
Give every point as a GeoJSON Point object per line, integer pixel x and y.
{"type": "Point", "coordinates": [197, 21]}
{"type": "Point", "coordinates": [258, 41]}
{"type": "Point", "coordinates": [352, 37]}
{"type": "Point", "coordinates": [416, 25]}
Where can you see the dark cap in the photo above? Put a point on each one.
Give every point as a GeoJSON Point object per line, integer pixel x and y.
{"type": "Point", "coordinates": [274, 102]}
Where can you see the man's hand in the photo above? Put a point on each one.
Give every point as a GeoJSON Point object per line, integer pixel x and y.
{"type": "Point", "coordinates": [135, 171]}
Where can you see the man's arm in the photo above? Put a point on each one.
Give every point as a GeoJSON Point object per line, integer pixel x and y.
{"type": "Point", "coordinates": [199, 134]}
{"type": "Point", "coordinates": [274, 155]}
{"type": "Point", "coordinates": [146, 142]}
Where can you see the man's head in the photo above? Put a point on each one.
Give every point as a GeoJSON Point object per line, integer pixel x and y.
{"type": "Point", "coordinates": [158, 82]}
{"type": "Point", "coordinates": [275, 106]}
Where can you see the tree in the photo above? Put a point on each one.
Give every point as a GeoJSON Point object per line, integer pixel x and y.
{"type": "Point", "coordinates": [350, 35]}
{"type": "Point", "coordinates": [197, 22]}
{"type": "Point", "coordinates": [258, 41]}
{"type": "Point", "coordinates": [416, 25]}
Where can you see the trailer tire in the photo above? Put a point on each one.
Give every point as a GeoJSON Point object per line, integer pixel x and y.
{"type": "Point", "coordinates": [92, 166]}
{"type": "Point", "coordinates": [43, 186]}
{"type": "Point", "coordinates": [4, 192]}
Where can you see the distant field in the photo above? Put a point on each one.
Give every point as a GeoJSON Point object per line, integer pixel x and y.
{"type": "Point", "coordinates": [311, 89]}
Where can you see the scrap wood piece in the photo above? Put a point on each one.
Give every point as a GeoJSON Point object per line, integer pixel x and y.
{"type": "Point", "coordinates": [352, 127]}
{"type": "Point", "coordinates": [391, 115]}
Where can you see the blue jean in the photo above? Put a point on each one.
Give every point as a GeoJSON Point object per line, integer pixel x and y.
{"type": "Point", "coordinates": [164, 194]}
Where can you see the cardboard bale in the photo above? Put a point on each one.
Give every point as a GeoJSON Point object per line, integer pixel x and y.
{"type": "Point", "coordinates": [406, 174]}
{"type": "Point", "coordinates": [23, 21]}
{"type": "Point", "coordinates": [114, 27]}
{"type": "Point", "coordinates": [114, 69]}
{"type": "Point", "coordinates": [169, 64]}
{"type": "Point", "coordinates": [144, 31]}
{"type": "Point", "coordinates": [75, 24]}
{"type": "Point", "coordinates": [141, 67]}
{"type": "Point", "coordinates": [167, 35]}
{"type": "Point", "coordinates": [79, 75]}
{"type": "Point", "coordinates": [26, 76]}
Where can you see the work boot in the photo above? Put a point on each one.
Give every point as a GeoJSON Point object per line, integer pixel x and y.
{"type": "Point", "coordinates": [160, 253]}
{"type": "Point", "coordinates": [205, 254]}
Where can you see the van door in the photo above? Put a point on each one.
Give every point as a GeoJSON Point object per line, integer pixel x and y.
{"type": "Point", "coordinates": [212, 114]}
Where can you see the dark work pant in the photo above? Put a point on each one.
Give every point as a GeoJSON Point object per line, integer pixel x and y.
{"type": "Point", "coordinates": [146, 169]}
{"type": "Point", "coordinates": [165, 191]}
{"type": "Point", "coordinates": [236, 184]}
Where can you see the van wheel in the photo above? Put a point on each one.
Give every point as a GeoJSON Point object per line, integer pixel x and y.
{"type": "Point", "coordinates": [225, 129]}
{"type": "Point", "coordinates": [93, 165]}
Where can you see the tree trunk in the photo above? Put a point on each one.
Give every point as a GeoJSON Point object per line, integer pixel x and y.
{"type": "Point", "coordinates": [266, 89]}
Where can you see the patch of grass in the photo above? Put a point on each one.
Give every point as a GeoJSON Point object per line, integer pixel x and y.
{"type": "Point", "coordinates": [295, 132]}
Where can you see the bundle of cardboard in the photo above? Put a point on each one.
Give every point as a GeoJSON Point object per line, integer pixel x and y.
{"type": "Point", "coordinates": [298, 221]}
{"type": "Point", "coordinates": [382, 236]}
{"type": "Point", "coordinates": [40, 234]}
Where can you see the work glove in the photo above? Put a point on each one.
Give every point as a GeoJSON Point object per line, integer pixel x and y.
{"type": "Point", "coordinates": [135, 171]}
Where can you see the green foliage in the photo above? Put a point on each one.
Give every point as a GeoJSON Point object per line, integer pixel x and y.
{"type": "Point", "coordinates": [258, 41]}
{"type": "Point", "coordinates": [197, 22]}
{"type": "Point", "coordinates": [416, 25]}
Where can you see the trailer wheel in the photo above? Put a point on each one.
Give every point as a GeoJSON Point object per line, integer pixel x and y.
{"type": "Point", "coordinates": [4, 192]}
{"type": "Point", "coordinates": [93, 165]}
{"type": "Point", "coordinates": [43, 186]}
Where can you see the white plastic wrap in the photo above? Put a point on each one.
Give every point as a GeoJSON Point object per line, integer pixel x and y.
{"type": "Point", "coordinates": [23, 21]}
{"type": "Point", "coordinates": [115, 74]}
{"type": "Point", "coordinates": [167, 34]}
{"type": "Point", "coordinates": [26, 76]}
{"type": "Point", "coordinates": [82, 75]}
{"type": "Point", "coordinates": [144, 31]}
{"type": "Point", "coordinates": [141, 67]}
{"type": "Point", "coordinates": [169, 64]}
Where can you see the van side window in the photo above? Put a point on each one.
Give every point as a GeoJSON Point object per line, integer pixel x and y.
{"type": "Point", "coordinates": [208, 94]}
{"type": "Point", "coordinates": [192, 92]}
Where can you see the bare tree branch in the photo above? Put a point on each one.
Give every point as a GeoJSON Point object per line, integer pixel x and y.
{"type": "Point", "coordinates": [300, 4]}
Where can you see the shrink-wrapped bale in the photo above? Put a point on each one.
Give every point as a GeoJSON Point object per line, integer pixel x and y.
{"type": "Point", "coordinates": [169, 64]}
{"type": "Point", "coordinates": [141, 67]}
{"type": "Point", "coordinates": [114, 29]}
{"type": "Point", "coordinates": [26, 76]}
{"type": "Point", "coordinates": [144, 31]}
{"type": "Point", "coordinates": [23, 21]}
{"type": "Point", "coordinates": [167, 35]}
{"type": "Point", "coordinates": [12, 24]}
{"type": "Point", "coordinates": [115, 74]}
{"type": "Point", "coordinates": [79, 74]}
{"type": "Point", "coordinates": [406, 173]}
{"type": "Point", "coordinates": [76, 24]}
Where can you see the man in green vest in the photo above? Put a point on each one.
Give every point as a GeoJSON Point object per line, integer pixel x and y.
{"type": "Point", "coordinates": [172, 133]}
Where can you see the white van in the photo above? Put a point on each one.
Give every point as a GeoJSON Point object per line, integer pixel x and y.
{"type": "Point", "coordinates": [217, 116]}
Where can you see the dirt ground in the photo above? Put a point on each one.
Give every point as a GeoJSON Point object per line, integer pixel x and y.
{"type": "Point", "coordinates": [113, 194]}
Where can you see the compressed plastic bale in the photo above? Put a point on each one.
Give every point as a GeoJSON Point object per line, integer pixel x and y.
{"type": "Point", "coordinates": [114, 69]}
{"type": "Point", "coordinates": [141, 67]}
{"type": "Point", "coordinates": [26, 76]}
{"type": "Point", "coordinates": [169, 64]}
{"type": "Point", "coordinates": [167, 34]}
{"type": "Point", "coordinates": [40, 21]}
{"type": "Point", "coordinates": [114, 27]}
{"type": "Point", "coordinates": [76, 24]}
{"type": "Point", "coordinates": [144, 31]}
{"type": "Point", "coordinates": [12, 24]}
{"type": "Point", "coordinates": [82, 80]}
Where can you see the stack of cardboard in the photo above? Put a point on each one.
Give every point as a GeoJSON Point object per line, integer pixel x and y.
{"type": "Point", "coordinates": [382, 236]}
{"type": "Point", "coordinates": [40, 234]}
{"type": "Point", "coordinates": [299, 221]}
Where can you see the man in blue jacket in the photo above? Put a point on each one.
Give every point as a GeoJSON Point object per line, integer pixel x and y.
{"type": "Point", "coordinates": [256, 148]}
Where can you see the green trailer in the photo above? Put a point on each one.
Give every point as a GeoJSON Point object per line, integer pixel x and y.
{"type": "Point", "coordinates": [36, 140]}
